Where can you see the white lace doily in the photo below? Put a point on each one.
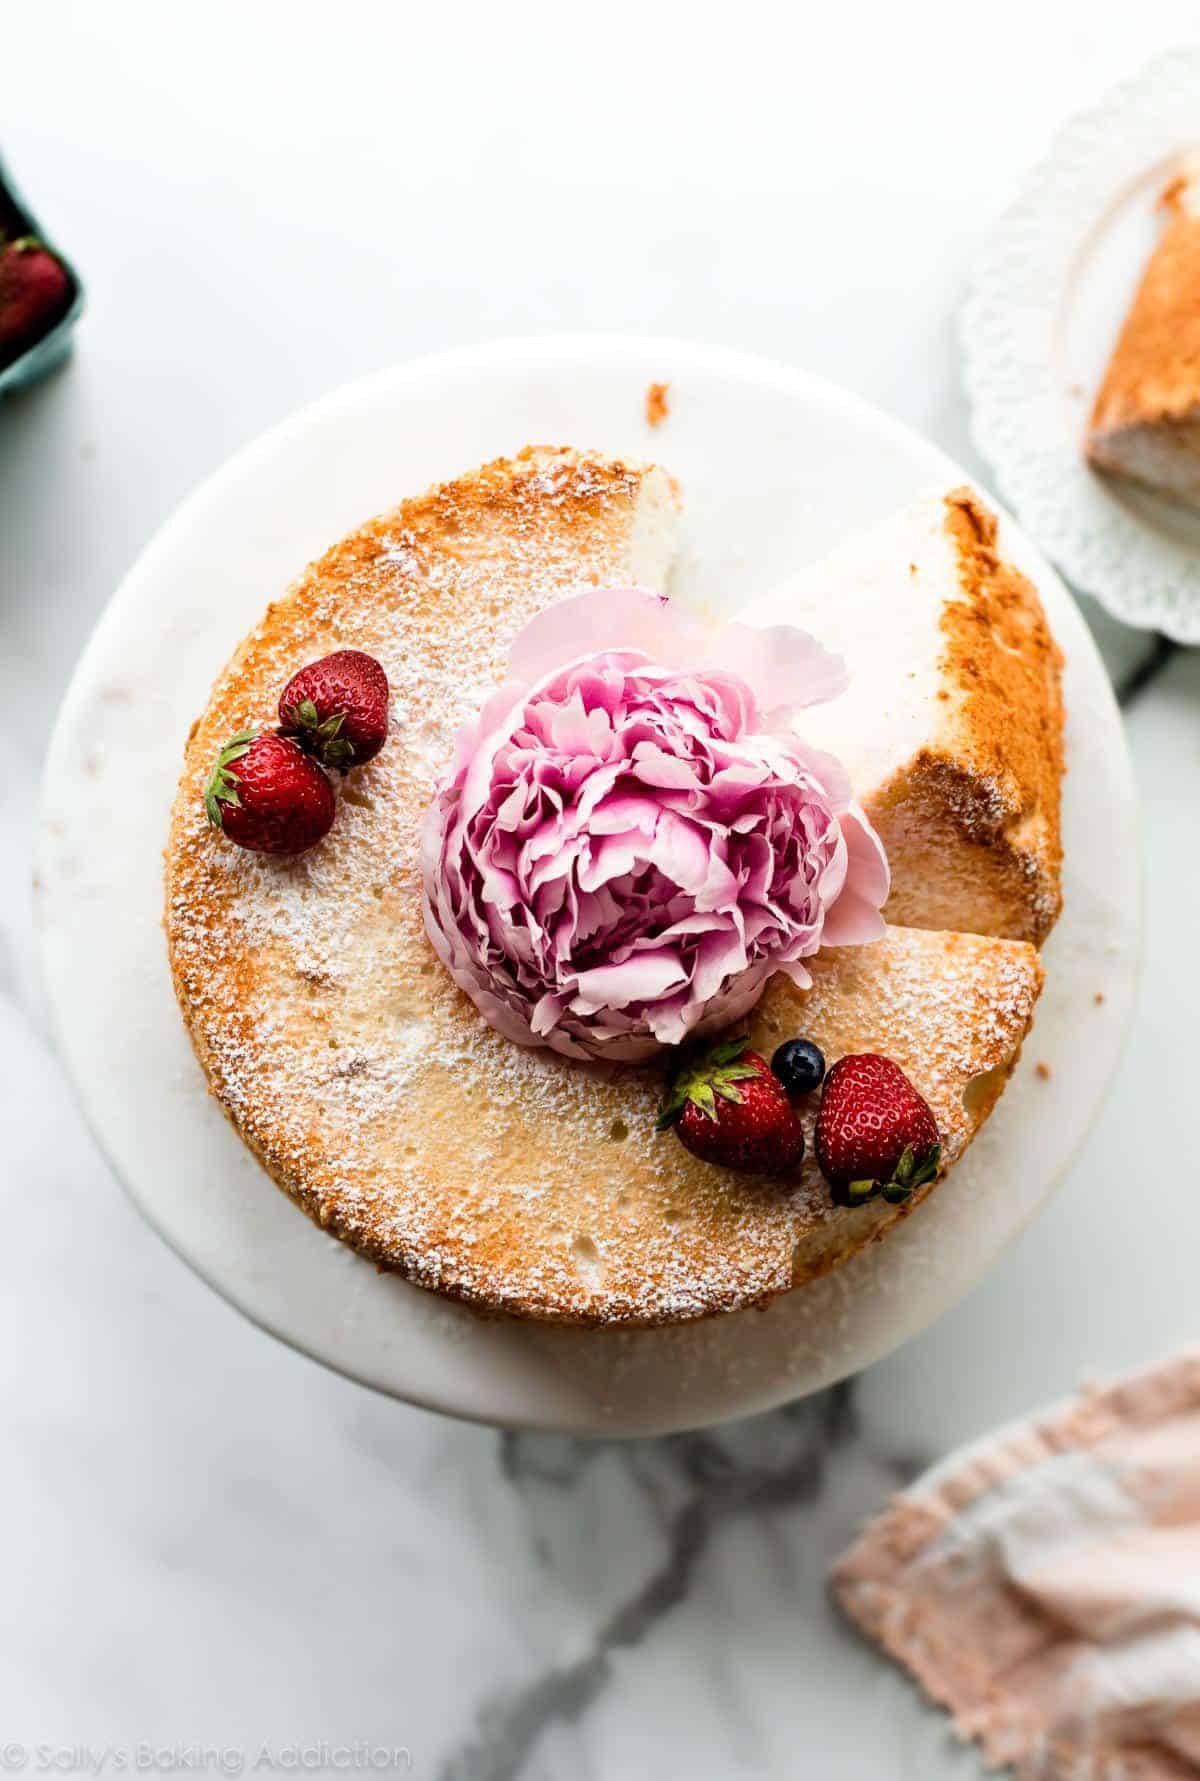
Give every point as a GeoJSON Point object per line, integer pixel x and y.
{"type": "Point", "coordinates": [1045, 305]}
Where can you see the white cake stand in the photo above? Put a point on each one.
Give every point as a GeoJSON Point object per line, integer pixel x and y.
{"type": "Point", "coordinates": [776, 466]}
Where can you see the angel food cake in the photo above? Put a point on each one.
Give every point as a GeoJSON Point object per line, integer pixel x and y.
{"type": "Point", "coordinates": [1145, 424]}
{"type": "Point", "coordinates": [560, 949]}
{"type": "Point", "coordinates": [951, 725]}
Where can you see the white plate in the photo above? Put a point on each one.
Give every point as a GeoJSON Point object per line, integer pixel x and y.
{"type": "Point", "coordinates": [776, 466]}
{"type": "Point", "coordinates": [1046, 304]}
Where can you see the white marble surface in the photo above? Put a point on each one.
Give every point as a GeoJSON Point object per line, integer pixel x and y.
{"type": "Point", "coordinates": [206, 1540]}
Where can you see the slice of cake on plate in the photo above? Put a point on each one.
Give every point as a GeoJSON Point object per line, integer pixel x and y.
{"type": "Point", "coordinates": [400, 1116]}
{"type": "Point", "coordinates": [1145, 424]}
{"type": "Point", "coordinates": [951, 727]}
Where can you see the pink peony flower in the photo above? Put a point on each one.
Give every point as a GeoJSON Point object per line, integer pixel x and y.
{"type": "Point", "coordinates": [631, 839]}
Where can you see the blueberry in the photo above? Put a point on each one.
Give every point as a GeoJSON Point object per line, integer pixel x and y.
{"type": "Point", "coordinates": [799, 1065]}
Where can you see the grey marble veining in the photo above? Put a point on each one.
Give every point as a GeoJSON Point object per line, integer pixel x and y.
{"type": "Point", "coordinates": [769, 1471]}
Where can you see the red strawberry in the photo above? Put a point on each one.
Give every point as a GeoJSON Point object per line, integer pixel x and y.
{"type": "Point", "coordinates": [874, 1133]}
{"type": "Point", "coordinates": [337, 708]}
{"type": "Point", "coordinates": [267, 795]}
{"type": "Point", "coordinates": [728, 1108]}
{"type": "Point", "coordinates": [35, 292]}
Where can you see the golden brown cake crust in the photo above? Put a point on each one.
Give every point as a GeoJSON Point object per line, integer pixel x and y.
{"type": "Point", "coordinates": [1154, 372]}
{"type": "Point", "coordinates": [371, 1089]}
{"type": "Point", "coordinates": [1145, 423]}
{"type": "Point", "coordinates": [657, 407]}
{"type": "Point", "coordinates": [994, 781]}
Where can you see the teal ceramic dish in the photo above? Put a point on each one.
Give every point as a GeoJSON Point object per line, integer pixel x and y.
{"type": "Point", "coordinates": [49, 352]}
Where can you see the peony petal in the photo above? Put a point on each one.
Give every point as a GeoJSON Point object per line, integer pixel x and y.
{"type": "Point", "coordinates": [671, 1022]}
{"type": "Point", "coordinates": [547, 1012]}
{"type": "Point", "coordinates": [598, 620]}
{"type": "Point", "coordinates": [680, 852]}
{"type": "Point", "coordinates": [854, 919]}
{"type": "Point", "coordinates": [611, 857]}
{"type": "Point", "coordinates": [719, 956]}
{"type": "Point", "coordinates": [654, 766]}
{"type": "Point", "coordinates": [641, 804]}
{"type": "Point", "coordinates": [787, 668]}
{"type": "Point", "coordinates": [623, 811]}
{"type": "Point", "coordinates": [643, 978]}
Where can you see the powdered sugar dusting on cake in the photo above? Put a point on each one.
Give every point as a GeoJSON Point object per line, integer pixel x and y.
{"type": "Point", "coordinates": [368, 1085]}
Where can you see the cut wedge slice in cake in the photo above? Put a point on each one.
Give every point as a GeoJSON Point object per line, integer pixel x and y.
{"type": "Point", "coordinates": [951, 728]}
{"type": "Point", "coordinates": [1145, 424]}
{"type": "Point", "coordinates": [369, 1086]}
